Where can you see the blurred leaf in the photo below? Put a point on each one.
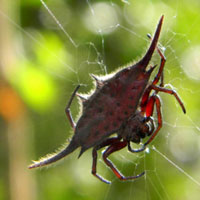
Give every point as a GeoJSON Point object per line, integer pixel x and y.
{"type": "Point", "coordinates": [36, 88]}
{"type": "Point", "coordinates": [53, 56]}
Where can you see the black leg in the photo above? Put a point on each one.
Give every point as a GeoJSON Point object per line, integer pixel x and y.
{"type": "Point", "coordinates": [107, 142]}
{"type": "Point", "coordinates": [67, 109]}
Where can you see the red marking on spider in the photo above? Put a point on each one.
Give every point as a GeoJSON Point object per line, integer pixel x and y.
{"type": "Point", "coordinates": [121, 104]}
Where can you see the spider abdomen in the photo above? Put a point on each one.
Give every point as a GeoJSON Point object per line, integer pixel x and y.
{"type": "Point", "coordinates": [111, 105]}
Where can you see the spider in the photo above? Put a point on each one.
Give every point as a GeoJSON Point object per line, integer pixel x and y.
{"type": "Point", "coordinates": [122, 103]}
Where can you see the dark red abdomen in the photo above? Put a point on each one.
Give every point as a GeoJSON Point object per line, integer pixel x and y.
{"type": "Point", "coordinates": [111, 105]}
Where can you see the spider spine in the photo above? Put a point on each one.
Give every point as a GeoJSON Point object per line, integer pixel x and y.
{"type": "Point", "coordinates": [145, 60]}
{"type": "Point", "coordinates": [55, 157]}
{"type": "Point", "coordinates": [99, 83]}
{"type": "Point", "coordinates": [81, 97]}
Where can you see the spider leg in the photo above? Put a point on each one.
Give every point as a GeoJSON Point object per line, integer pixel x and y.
{"type": "Point", "coordinates": [154, 100]}
{"type": "Point", "coordinates": [160, 71]}
{"type": "Point", "coordinates": [67, 109]}
{"type": "Point", "coordinates": [94, 167]}
{"type": "Point", "coordinates": [112, 148]}
{"type": "Point", "coordinates": [169, 91]}
{"type": "Point", "coordinates": [135, 150]}
{"type": "Point", "coordinates": [107, 142]}
{"type": "Point", "coordinates": [162, 64]}
{"type": "Point", "coordinates": [155, 81]}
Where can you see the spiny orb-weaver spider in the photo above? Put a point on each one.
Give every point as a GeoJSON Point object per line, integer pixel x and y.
{"type": "Point", "coordinates": [121, 104]}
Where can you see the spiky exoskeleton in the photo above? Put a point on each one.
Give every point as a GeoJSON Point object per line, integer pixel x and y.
{"type": "Point", "coordinates": [122, 103]}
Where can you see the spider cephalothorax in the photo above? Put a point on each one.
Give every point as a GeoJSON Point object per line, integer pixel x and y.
{"type": "Point", "coordinates": [136, 128]}
{"type": "Point", "coordinates": [122, 103]}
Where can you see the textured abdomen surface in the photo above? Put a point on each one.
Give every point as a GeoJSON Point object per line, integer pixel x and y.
{"type": "Point", "coordinates": [109, 106]}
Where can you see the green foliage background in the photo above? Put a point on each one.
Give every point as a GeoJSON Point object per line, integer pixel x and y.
{"type": "Point", "coordinates": [39, 69]}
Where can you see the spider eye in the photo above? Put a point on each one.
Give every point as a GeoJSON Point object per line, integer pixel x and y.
{"type": "Point", "coordinates": [142, 134]}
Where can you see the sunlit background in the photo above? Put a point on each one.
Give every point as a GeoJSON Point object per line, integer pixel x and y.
{"type": "Point", "coordinates": [45, 54]}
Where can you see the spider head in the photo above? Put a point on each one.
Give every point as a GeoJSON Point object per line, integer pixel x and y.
{"type": "Point", "coordinates": [136, 128]}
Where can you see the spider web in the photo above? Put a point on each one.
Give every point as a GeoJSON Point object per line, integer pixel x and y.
{"type": "Point", "coordinates": [177, 146]}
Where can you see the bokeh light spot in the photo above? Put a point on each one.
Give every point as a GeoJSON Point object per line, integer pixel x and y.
{"type": "Point", "coordinates": [191, 62]}
{"type": "Point", "coordinates": [101, 18]}
{"type": "Point", "coordinates": [184, 146]}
